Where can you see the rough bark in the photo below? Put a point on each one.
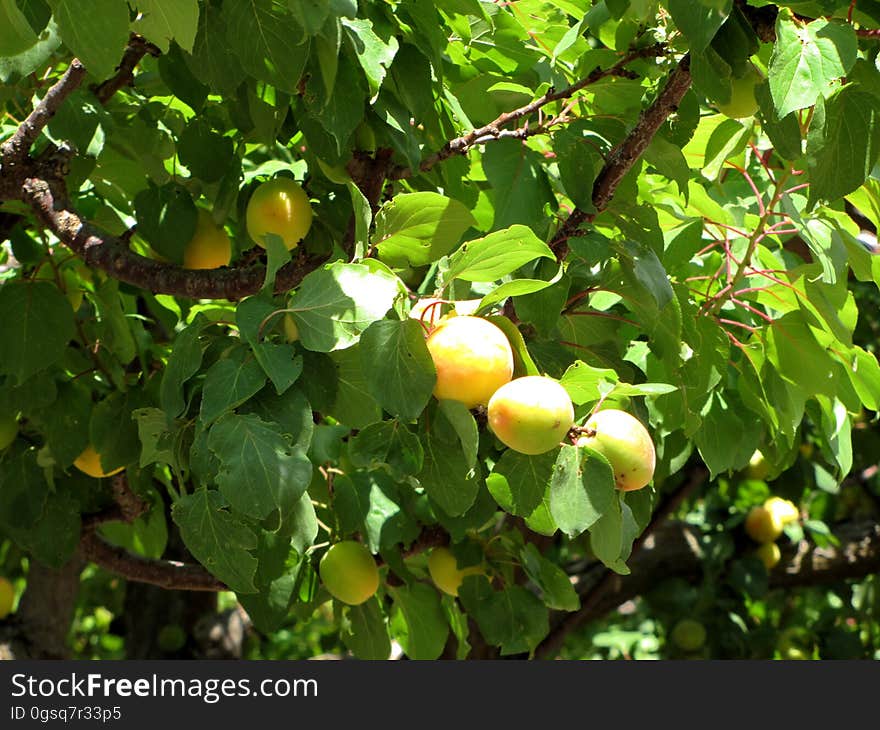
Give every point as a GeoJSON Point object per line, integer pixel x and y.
{"type": "Point", "coordinates": [40, 627]}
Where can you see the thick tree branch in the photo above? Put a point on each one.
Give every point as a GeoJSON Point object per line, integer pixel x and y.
{"type": "Point", "coordinates": [163, 573]}
{"type": "Point", "coordinates": [622, 158]}
{"type": "Point", "coordinates": [108, 253]}
{"type": "Point", "coordinates": [673, 550]}
{"type": "Point", "coordinates": [493, 130]}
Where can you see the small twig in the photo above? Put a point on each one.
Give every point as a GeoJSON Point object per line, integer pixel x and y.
{"type": "Point", "coordinates": [137, 48]}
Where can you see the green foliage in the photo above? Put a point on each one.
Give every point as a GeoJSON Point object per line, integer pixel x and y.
{"type": "Point", "coordinates": [724, 295]}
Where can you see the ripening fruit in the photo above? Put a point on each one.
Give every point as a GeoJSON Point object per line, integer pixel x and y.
{"type": "Point", "coordinates": [291, 331]}
{"type": "Point", "coordinates": [349, 572]}
{"type": "Point", "coordinates": [742, 102]}
{"type": "Point", "coordinates": [785, 509]}
{"type": "Point", "coordinates": [689, 635]}
{"type": "Point", "coordinates": [531, 415]}
{"type": "Point", "coordinates": [282, 207]}
{"type": "Point", "coordinates": [762, 524]}
{"type": "Point", "coordinates": [209, 248]}
{"type": "Point", "coordinates": [444, 570]}
{"type": "Point", "coordinates": [769, 554]}
{"type": "Point", "coordinates": [472, 357]}
{"type": "Point", "coordinates": [8, 429]}
{"type": "Point", "coordinates": [758, 467]}
{"type": "Point", "coordinates": [7, 597]}
{"type": "Point", "coordinates": [625, 442]}
{"type": "Point", "coordinates": [89, 462]}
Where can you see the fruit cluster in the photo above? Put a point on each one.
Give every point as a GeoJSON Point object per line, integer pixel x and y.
{"type": "Point", "coordinates": [764, 524]}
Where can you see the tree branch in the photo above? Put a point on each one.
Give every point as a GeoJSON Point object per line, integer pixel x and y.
{"type": "Point", "coordinates": [673, 550]}
{"type": "Point", "coordinates": [622, 158]}
{"type": "Point", "coordinates": [168, 574]}
{"type": "Point", "coordinates": [15, 149]}
{"type": "Point", "coordinates": [137, 48]}
{"type": "Point", "coordinates": [493, 130]}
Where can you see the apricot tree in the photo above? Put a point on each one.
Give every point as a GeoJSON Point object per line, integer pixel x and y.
{"type": "Point", "coordinates": [266, 264]}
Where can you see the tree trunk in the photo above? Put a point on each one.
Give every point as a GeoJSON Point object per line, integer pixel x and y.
{"type": "Point", "coordinates": [40, 627]}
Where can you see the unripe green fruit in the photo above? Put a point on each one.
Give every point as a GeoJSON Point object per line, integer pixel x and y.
{"type": "Point", "coordinates": [795, 643]}
{"type": "Point", "coordinates": [689, 635]}
{"type": "Point", "coordinates": [531, 415]}
{"type": "Point", "coordinates": [763, 525]}
{"type": "Point", "coordinates": [349, 572]}
{"type": "Point", "coordinates": [472, 357]}
{"type": "Point", "coordinates": [282, 207]}
{"type": "Point", "coordinates": [291, 331]}
{"type": "Point", "coordinates": [742, 101]}
{"type": "Point", "coordinates": [769, 554]}
{"type": "Point", "coordinates": [7, 597]}
{"type": "Point", "coordinates": [625, 442]}
{"type": "Point", "coordinates": [8, 429]}
{"type": "Point", "coordinates": [444, 570]}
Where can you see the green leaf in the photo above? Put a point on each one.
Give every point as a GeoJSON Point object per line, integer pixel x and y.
{"type": "Point", "coordinates": [518, 482]}
{"type": "Point", "coordinates": [311, 14]}
{"type": "Point", "coordinates": [447, 477]}
{"type": "Point", "coordinates": [16, 34]}
{"type": "Point", "coordinates": [606, 537]}
{"type": "Point", "coordinates": [374, 504]}
{"type": "Point", "coordinates": [699, 20]}
{"type": "Point", "coordinates": [354, 404]}
{"type": "Point", "coordinates": [556, 588]}
{"type": "Point", "coordinates": [373, 53]}
{"type": "Point", "coordinates": [398, 367]}
{"type": "Point", "coordinates": [66, 422]}
{"type": "Point", "coordinates": [275, 580]}
{"type": "Point", "coordinates": [807, 58]}
{"type": "Point", "coordinates": [116, 333]}
{"type": "Point", "coordinates": [416, 229]}
{"type": "Point", "coordinates": [388, 443]}
{"type": "Point", "coordinates": [164, 21]}
{"type": "Point", "coordinates": [112, 431]}
{"type": "Point", "coordinates": [841, 159]}
{"type": "Point", "coordinates": [581, 489]}
{"type": "Point", "coordinates": [518, 288]}
{"type": "Point", "coordinates": [465, 426]}
{"type": "Point", "coordinates": [156, 447]}
{"type": "Point", "coordinates": [260, 471]}
{"type": "Point", "coordinates": [582, 381]}
{"type": "Point", "coordinates": [217, 539]}
{"type": "Point", "coordinates": [580, 149]}
{"type": "Point", "coordinates": [520, 188]}
{"type": "Point", "coordinates": [364, 631]}
{"type": "Point", "coordinates": [228, 383]}
{"type": "Point", "coordinates": [281, 363]}
{"type": "Point", "coordinates": [206, 153]}
{"type": "Point", "coordinates": [334, 304]}
{"type": "Point", "coordinates": [100, 41]}
{"type": "Point", "coordinates": [184, 362]}
{"type": "Point", "coordinates": [54, 537]}
{"type": "Point", "coordinates": [514, 619]}
{"type": "Point", "coordinates": [166, 219]}
{"type": "Point", "coordinates": [36, 323]}
{"type": "Point", "coordinates": [290, 412]}
{"type": "Point", "coordinates": [496, 255]}
{"type": "Point", "coordinates": [212, 61]}
{"type": "Point", "coordinates": [418, 622]}
{"type": "Point", "coordinates": [23, 491]}
{"type": "Point", "coordinates": [267, 40]}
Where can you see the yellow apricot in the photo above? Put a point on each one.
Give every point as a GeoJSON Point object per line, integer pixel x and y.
{"type": "Point", "coordinates": [472, 357]}
{"type": "Point", "coordinates": [622, 439]}
{"type": "Point", "coordinates": [444, 570]}
{"type": "Point", "coordinates": [769, 554]}
{"type": "Point", "coordinates": [762, 524]}
{"type": "Point", "coordinates": [531, 415]}
{"type": "Point", "coordinates": [282, 207]}
{"type": "Point", "coordinates": [210, 247]}
{"type": "Point", "coordinates": [742, 102]}
{"type": "Point", "coordinates": [784, 508]}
